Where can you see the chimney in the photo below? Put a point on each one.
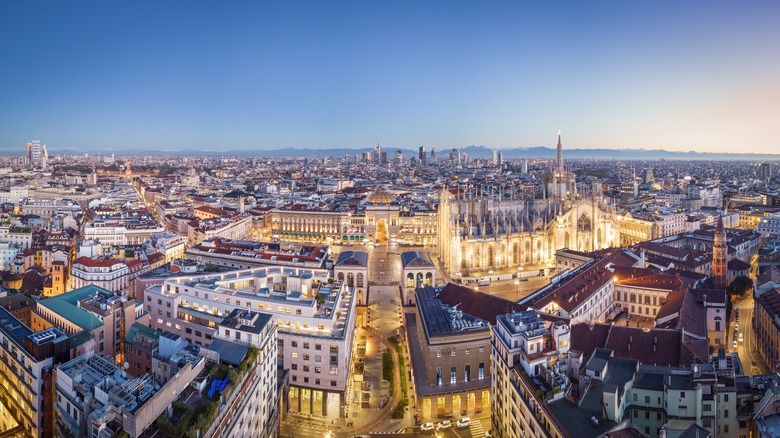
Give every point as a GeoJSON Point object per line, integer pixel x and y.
{"type": "Point", "coordinates": [240, 204]}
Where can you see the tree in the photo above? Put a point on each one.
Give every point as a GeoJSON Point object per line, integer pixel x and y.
{"type": "Point", "coordinates": [740, 287]}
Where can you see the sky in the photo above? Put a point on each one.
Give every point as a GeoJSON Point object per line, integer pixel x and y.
{"type": "Point", "coordinates": [169, 75]}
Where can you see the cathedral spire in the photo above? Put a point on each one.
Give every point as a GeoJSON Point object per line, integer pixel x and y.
{"type": "Point", "coordinates": [560, 154]}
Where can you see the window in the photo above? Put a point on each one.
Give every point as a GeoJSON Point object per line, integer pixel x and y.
{"type": "Point", "coordinates": [306, 345]}
{"type": "Point", "coordinates": [295, 355]}
{"type": "Point", "coordinates": [318, 347]}
{"type": "Point", "coordinates": [294, 344]}
{"type": "Point", "coordinates": [306, 368]}
{"type": "Point", "coordinates": [647, 399]}
{"type": "Point", "coordinates": [316, 381]}
{"type": "Point", "coordinates": [332, 383]}
{"type": "Point", "coordinates": [725, 413]}
{"type": "Point", "coordinates": [305, 357]}
{"type": "Point", "coordinates": [647, 415]}
{"type": "Point", "coordinates": [468, 351]}
{"type": "Point", "coordinates": [453, 375]}
{"type": "Point", "coordinates": [452, 353]}
{"type": "Point", "coordinates": [481, 349]}
{"type": "Point", "coordinates": [438, 354]}
{"type": "Point", "coordinates": [294, 366]}
{"type": "Point", "coordinates": [682, 394]}
{"type": "Point", "coordinates": [481, 371]}
{"type": "Point", "coordinates": [438, 376]}
{"type": "Point", "coordinates": [317, 370]}
{"type": "Point", "coordinates": [467, 374]}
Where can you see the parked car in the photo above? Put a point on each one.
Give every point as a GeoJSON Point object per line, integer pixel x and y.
{"type": "Point", "coordinates": [741, 339]}
{"type": "Point", "coordinates": [446, 424]}
{"type": "Point", "coordinates": [463, 422]}
{"type": "Point", "coordinates": [735, 343]}
{"type": "Point", "coordinates": [426, 426]}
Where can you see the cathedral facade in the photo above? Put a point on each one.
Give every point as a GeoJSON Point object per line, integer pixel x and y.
{"type": "Point", "coordinates": [482, 234]}
{"type": "Point", "coordinates": [482, 229]}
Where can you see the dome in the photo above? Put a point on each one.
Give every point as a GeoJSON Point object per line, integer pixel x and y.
{"type": "Point", "coordinates": [380, 197]}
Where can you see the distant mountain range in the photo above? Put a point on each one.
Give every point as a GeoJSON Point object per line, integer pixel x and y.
{"type": "Point", "coordinates": [472, 151]}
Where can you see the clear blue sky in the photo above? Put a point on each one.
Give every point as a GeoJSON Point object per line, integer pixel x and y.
{"type": "Point", "coordinates": [690, 75]}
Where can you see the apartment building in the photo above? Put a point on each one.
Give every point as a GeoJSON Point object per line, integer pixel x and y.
{"type": "Point", "coordinates": [315, 315]}
{"type": "Point", "coordinates": [244, 254]}
{"type": "Point", "coordinates": [89, 313]}
{"type": "Point", "coordinates": [111, 274]}
{"type": "Point", "coordinates": [256, 414]}
{"type": "Point", "coordinates": [28, 358]}
{"type": "Point", "coordinates": [450, 352]}
{"type": "Point", "coordinates": [92, 393]}
{"type": "Point", "coordinates": [528, 366]}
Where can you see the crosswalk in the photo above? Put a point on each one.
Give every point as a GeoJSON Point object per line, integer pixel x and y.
{"type": "Point", "coordinates": [477, 431]}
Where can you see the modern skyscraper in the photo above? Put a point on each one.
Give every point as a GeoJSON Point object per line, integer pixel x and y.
{"type": "Point", "coordinates": [433, 154]}
{"type": "Point", "coordinates": [648, 176]}
{"type": "Point", "coordinates": [35, 152]}
{"type": "Point", "coordinates": [423, 160]}
{"type": "Point", "coordinates": [765, 172]}
{"type": "Point", "coordinates": [559, 162]}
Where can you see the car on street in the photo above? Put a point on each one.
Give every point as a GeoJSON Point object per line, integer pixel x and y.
{"type": "Point", "coordinates": [735, 343]}
{"type": "Point", "coordinates": [736, 327]}
{"type": "Point", "coordinates": [463, 422]}
{"type": "Point", "coordinates": [446, 424]}
{"type": "Point", "coordinates": [426, 426]}
{"type": "Point", "coordinates": [741, 339]}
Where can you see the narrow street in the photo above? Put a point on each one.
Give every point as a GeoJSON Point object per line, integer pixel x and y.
{"type": "Point", "coordinates": [747, 349]}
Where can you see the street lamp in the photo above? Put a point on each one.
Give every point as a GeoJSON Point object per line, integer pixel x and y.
{"type": "Point", "coordinates": [517, 288]}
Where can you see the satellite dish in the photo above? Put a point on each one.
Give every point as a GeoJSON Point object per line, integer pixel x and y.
{"type": "Point", "coordinates": [127, 365]}
{"type": "Point", "coordinates": [695, 368]}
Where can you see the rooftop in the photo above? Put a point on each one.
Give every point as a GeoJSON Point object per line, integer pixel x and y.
{"type": "Point", "coordinates": [66, 305]}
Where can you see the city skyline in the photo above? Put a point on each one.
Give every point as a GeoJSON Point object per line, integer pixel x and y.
{"type": "Point", "coordinates": [698, 76]}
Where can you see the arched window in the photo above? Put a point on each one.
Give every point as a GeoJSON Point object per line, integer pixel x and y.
{"type": "Point", "coordinates": [360, 279]}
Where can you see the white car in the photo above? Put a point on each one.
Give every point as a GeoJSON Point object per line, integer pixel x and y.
{"type": "Point", "coordinates": [741, 339]}
{"type": "Point", "coordinates": [463, 422]}
{"type": "Point", "coordinates": [426, 426]}
{"type": "Point", "coordinates": [444, 424]}
{"type": "Point", "coordinates": [735, 343]}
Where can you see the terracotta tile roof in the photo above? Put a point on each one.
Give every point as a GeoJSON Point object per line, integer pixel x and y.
{"type": "Point", "coordinates": [770, 302]}
{"type": "Point", "coordinates": [481, 305]}
{"type": "Point", "coordinates": [97, 263]}
{"type": "Point", "coordinates": [671, 306]}
{"type": "Point", "coordinates": [574, 291]}
{"type": "Point", "coordinates": [649, 346]}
